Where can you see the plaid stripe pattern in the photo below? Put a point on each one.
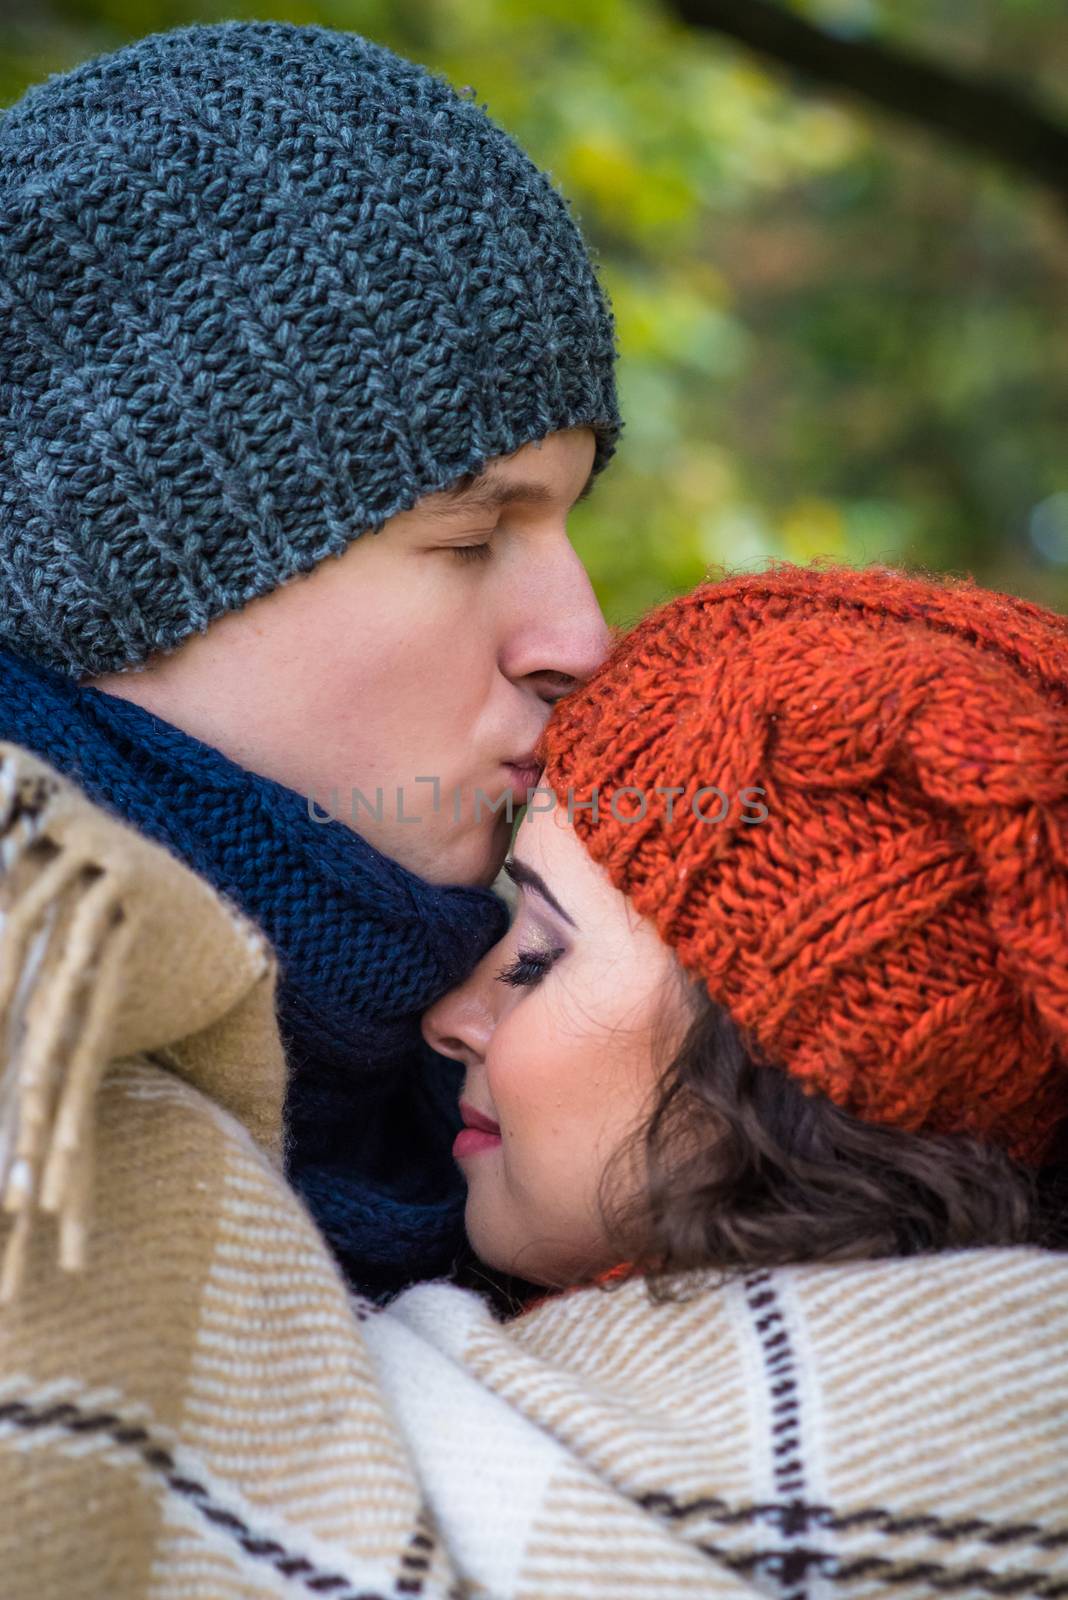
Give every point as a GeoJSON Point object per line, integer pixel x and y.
{"type": "Point", "coordinates": [195, 1408]}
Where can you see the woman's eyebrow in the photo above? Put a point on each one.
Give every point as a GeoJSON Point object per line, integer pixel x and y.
{"type": "Point", "coordinates": [525, 877]}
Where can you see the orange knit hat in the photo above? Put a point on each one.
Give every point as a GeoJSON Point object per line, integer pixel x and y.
{"type": "Point", "coordinates": [895, 932]}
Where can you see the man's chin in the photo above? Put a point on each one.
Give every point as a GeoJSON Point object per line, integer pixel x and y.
{"type": "Point", "coordinates": [473, 862]}
{"type": "Point", "coordinates": [468, 859]}
{"type": "Point", "coordinates": [485, 874]}
{"type": "Point", "coordinates": [477, 860]}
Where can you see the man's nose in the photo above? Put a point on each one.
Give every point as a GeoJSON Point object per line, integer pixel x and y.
{"type": "Point", "coordinates": [563, 637]}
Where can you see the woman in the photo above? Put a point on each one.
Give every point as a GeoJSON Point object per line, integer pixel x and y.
{"type": "Point", "coordinates": [797, 918]}
{"type": "Point", "coordinates": [787, 1085]}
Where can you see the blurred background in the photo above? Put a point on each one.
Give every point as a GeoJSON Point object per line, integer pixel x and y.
{"type": "Point", "coordinates": [835, 235]}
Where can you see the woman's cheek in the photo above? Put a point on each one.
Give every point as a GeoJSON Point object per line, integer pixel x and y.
{"type": "Point", "coordinates": [519, 1075]}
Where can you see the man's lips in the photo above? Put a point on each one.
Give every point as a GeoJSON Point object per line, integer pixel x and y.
{"type": "Point", "coordinates": [478, 1133]}
{"type": "Point", "coordinates": [524, 779]}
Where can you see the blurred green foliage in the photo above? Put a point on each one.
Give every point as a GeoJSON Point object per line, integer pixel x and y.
{"type": "Point", "coordinates": [839, 335]}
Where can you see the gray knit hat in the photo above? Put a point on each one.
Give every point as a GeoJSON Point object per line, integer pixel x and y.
{"type": "Point", "coordinates": [261, 287]}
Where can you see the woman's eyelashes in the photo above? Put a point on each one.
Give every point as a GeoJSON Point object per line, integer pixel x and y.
{"type": "Point", "coordinates": [529, 967]}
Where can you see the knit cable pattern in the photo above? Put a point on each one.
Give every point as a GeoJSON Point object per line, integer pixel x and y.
{"type": "Point", "coordinates": [262, 286]}
{"type": "Point", "coordinates": [895, 933]}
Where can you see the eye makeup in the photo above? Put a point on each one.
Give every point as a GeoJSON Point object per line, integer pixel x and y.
{"type": "Point", "coordinates": [529, 967]}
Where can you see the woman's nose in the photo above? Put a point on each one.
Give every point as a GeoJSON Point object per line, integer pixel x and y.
{"type": "Point", "coordinates": [459, 1025]}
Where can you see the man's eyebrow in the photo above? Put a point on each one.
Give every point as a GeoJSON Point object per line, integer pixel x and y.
{"type": "Point", "coordinates": [487, 493]}
{"type": "Point", "coordinates": [525, 877]}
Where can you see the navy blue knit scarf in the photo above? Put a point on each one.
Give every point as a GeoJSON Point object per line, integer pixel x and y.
{"type": "Point", "coordinates": [364, 947]}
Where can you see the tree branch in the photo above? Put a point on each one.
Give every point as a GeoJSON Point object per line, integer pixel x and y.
{"type": "Point", "coordinates": [986, 116]}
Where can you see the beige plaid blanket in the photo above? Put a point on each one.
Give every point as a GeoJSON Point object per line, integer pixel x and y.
{"type": "Point", "coordinates": [191, 1405]}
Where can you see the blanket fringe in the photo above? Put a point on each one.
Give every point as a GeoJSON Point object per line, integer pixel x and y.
{"type": "Point", "coordinates": [64, 939]}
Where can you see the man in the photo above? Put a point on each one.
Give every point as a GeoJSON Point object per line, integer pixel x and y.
{"type": "Point", "coordinates": [304, 365]}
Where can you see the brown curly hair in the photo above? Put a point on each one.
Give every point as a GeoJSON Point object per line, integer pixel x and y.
{"type": "Point", "coordinates": [744, 1169]}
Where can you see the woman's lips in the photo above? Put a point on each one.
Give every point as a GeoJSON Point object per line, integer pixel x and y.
{"type": "Point", "coordinates": [470, 1140]}
{"type": "Point", "coordinates": [479, 1132]}
{"type": "Point", "coordinates": [477, 1119]}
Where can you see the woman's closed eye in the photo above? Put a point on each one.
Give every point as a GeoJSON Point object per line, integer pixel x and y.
{"type": "Point", "coordinates": [529, 967]}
